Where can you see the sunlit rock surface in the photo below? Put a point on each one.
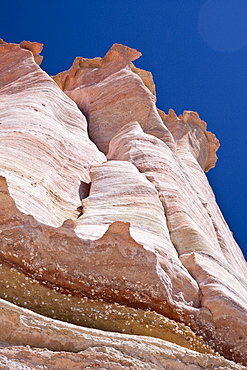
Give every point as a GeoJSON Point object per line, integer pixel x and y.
{"type": "Point", "coordinates": [75, 347]}
{"type": "Point", "coordinates": [197, 231]}
{"type": "Point", "coordinates": [107, 221]}
{"type": "Point", "coordinates": [110, 95]}
{"type": "Point", "coordinates": [45, 151]}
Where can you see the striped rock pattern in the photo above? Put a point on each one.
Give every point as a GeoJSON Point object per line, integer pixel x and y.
{"type": "Point", "coordinates": [108, 222]}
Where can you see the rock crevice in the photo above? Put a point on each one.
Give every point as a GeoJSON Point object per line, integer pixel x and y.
{"type": "Point", "coordinates": [106, 214]}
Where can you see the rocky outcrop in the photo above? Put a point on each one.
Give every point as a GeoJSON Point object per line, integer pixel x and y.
{"type": "Point", "coordinates": [112, 92]}
{"type": "Point", "coordinates": [197, 231]}
{"type": "Point", "coordinates": [45, 150]}
{"type": "Point", "coordinates": [112, 95]}
{"type": "Point", "coordinates": [108, 222]}
{"type": "Point", "coordinates": [82, 348]}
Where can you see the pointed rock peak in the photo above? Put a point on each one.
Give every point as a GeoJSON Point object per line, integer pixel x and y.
{"type": "Point", "coordinates": [84, 72]}
{"type": "Point", "coordinates": [171, 116]}
{"type": "Point", "coordinates": [193, 117]}
{"type": "Point", "coordinates": [119, 229]}
{"type": "Point", "coordinates": [34, 47]}
{"type": "Point", "coordinates": [146, 77]}
{"type": "Point", "coordinates": [203, 145]}
{"type": "Point", "coordinates": [121, 53]}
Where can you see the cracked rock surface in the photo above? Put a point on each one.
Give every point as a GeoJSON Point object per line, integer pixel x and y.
{"type": "Point", "coordinates": [113, 251]}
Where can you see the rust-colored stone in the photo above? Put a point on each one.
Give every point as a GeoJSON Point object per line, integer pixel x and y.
{"type": "Point", "coordinates": [125, 240]}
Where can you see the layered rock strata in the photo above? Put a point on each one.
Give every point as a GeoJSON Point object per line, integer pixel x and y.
{"type": "Point", "coordinates": [82, 348]}
{"type": "Point", "coordinates": [45, 150]}
{"type": "Point", "coordinates": [200, 236]}
{"type": "Point", "coordinates": [111, 94]}
{"type": "Point", "coordinates": [108, 220]}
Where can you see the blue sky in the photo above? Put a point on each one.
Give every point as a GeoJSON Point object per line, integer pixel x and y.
{"type": "Point", "coordinates": [196, 50]}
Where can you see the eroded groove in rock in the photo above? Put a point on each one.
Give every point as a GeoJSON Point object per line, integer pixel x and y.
{"type": "Point", "coordinates": [45, 152]}
{"type": "Point", "coordinates": [148, 234]}
{"type": "Point", "coordinates": [222, 280]}
{"type": "Point", "coordinates": [225, 297]}
{"type": "Point", "coordinates": [84, 189]}
{"type": "Point", "coordinates": [184, 142]}
{"type": "Point", "coordinates": [20, 325]}
{"type": "Point", "coordinates": [26, 292]}
{"type": "Point", "coordinates": [189, 225]}
{"type": "Point", "coordinates": [115, 267]}
{"type": "Point", "coordinates": [110, 94]}
{"type": "Point", "coordinates": [193, 233]}
{"type": "Point", "coordinates": [120, 192]}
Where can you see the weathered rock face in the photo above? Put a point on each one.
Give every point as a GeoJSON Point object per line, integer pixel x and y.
{"type": "Point", "coordinates": [107, 221]}
{"type": "Point", "coordinates": [45, 164]}
{"type": "Point", "coordinates": [110, 95]}
{"type": "Point", "coordinates": [75, 347]}
{"type": "Point", "coordinates": [197, 231]}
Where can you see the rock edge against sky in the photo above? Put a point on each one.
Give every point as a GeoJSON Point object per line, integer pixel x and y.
{"type": "Point", "coordinates": [108, 220]}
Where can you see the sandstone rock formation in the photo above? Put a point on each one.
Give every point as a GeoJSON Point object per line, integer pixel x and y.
{"type": "Point", "coordinates": [45, 164]}
{"type": "Point", "coordinates": [108, 222]}
{"type": "Point", "coordinates": [74, 347]}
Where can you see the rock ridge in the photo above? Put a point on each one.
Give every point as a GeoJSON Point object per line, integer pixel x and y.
{"type": "Point", "coordinates": [107, 220]}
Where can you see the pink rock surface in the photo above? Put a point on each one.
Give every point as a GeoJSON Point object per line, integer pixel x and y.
{"type": "Point", "coordinates": [197, 230]}
{"type": "Point", "coordinates": [110, 95]}
{"type": "Point", "coordinates": [114, 267]}
{"type": "Point", "coordinates": [73, 347]}
{"type": "Point", "coordinates": [149, 234]}
{"type": "Point", "coordinates": [45, 151]}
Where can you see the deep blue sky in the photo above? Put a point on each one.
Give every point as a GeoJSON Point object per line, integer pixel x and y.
{"type": "Point", "coordinates": [196, 50]}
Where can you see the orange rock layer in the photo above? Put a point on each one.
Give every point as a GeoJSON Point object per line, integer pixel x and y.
{"type": "Point", "coordinates": [103, 197]}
